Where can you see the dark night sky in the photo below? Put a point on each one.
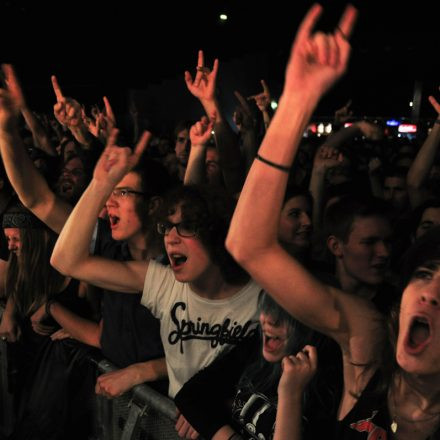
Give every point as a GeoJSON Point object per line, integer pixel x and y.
{"type": "Point", "coordinates": [98, 47]}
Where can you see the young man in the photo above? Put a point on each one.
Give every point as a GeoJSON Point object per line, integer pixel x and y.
{"type": "Point", "coordinates": [359, 237]}
{"type": "Point", "coordinates": [204, 302]}
{"type": "Point", "coordinates": [127, 333]}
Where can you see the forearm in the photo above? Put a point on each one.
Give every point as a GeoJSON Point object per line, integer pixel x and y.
{"type": "Point", "coordinates": [72, 246]}
{"type": "Point", "coordinates": [424, 160]}
{"type": "Point", "coordinates": [39, 134]}
{"type": "Point", "coordinates": [338, 139]}
{"type": "Point", "coordinates": [254, 226]}
{"type": "Point", "coordinates": [83, 330]}
{"type": "Point", "coordinates": [82, 135]}
{"type": "Point", "coordinates": [230, 159]}
{"type": "Point", "coordinates": [288, 419]}
{"type": "Point", "coordinates": [149, 371]}
{"type": "Point", "coordinates": [195, 172]}
{"type": "Point", "coordinates": [26, 180]}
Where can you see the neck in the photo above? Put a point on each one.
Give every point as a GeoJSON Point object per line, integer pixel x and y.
{"type": "Point", "coordinates": [422, 391]}
{"type": "Point", "coordinates": [212, 285]}
{"type": "Point", "coordinates": [140, 248]}
{"type": "Point", "coordinates": [354, 286]}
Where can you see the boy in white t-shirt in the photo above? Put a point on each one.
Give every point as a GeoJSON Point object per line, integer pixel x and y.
{"type": "Point", "coordinates": [205, 302]}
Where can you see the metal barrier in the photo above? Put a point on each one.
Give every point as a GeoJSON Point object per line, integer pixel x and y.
{"type": "Point", "coordinates": [141, 414]}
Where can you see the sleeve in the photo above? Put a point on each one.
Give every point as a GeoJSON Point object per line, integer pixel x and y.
{"type": "Point", "coordinates": [160, 287]}
{"type": "Point", "coordinates": [203, 400]}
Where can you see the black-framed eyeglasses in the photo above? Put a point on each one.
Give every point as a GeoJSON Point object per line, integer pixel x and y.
{"type": "Point", "coordinates": [184, 229]}
{"type": "Point", "coordinates": [124, 192]}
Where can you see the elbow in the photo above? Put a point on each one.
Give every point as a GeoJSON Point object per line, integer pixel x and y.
{"type": "Point", "coordinates": [60, 264]}
{"type": "Point", "coordinates": [239, 252]}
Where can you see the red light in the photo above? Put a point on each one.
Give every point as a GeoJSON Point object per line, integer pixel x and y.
{"type": "Point", "coordinates": [407, 128]}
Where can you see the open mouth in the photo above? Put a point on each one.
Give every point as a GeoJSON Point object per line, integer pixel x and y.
{"type": "Point", "coordinates": [272, 343]}
{"type": "Point", "coordinates": [177, 260]}
{"type": "Point", "coordinates": [419, 334]}
{"type": "Point", "coordinates": [113, 220]}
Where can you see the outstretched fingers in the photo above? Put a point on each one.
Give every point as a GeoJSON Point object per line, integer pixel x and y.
{"type": "Point", "coordinates": [57, 89]}
{"type": "Point", "coordinates": [306, 27]}
{"type": "Point", "coordinates": [347, 22]}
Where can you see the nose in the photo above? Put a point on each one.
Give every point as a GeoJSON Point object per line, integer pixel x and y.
{"type": "Point", "coordinates": [305, 219]}
{"type": "Point", "coordinates": [111, 201]}
{"type": "Point", "coordinates": [431, 293]}
{"type": "Point", "coordinates": [172, 237]}
{"type": "Point", "coordinates": [11, 246]}
{"type": "Point", "coordinates": [383, 249]}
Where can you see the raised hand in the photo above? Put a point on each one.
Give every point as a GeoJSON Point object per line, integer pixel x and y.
{"type": "Point", "coordinates": [243, 116]}
{"type": "Point", "coordinates": [262, 100]}
{"type": "Point", "coordinates": [327, 157]}
{"type": "Point", "coordinates": [204, 83]}
{"type": "Point", "coordinates": [67, 111]}
{"type": "Point", "coordinates": [344, 113]}
{"type": "Point", "coordinates": [201, 131]}
{"type": "Point", "coordinates": [117, 161]}
{"type": "Point", "coordinates": [14, 87]}
{"type": "Point", "coordinates": [297, 371]}
{"type": "Point", "coordinates": [318, 60]}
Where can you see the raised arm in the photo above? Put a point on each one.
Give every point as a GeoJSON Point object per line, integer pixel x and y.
{"type": "Point", "coordinates": [30, 186]}
{"type": "Point", "coordinates": [203, 87]}
{"type": "Point", "coordinates": [262, 101]}
{"type": "Point", "coordinates": [69, 113]}
{"type": "Point", "coordinates": [39, 134]}
{"type": "Point", "coordinates": [316, 62]}
{"type": "Point", "coordinates": [71, 253]}
{"type": "Point", "coordinates": [325, 159]}
{"type": "Point", "coordinates": [199, 134]}
{"type": "Point", "coordinates": [422, 164]}
{"type": "Point", "coordinates": [245, 121]}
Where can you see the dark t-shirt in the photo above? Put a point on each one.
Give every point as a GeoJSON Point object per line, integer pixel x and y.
{"type": "Point", "coordinates": [130, 333]}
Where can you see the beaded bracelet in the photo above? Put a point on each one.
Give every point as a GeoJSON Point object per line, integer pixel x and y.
{"type": "Point", "coordinates": [274, 165]}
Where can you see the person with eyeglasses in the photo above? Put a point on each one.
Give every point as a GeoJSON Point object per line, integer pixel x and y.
{"type": "Point", "coordinates": [206, 304]}
{"type": "Point", "coordinates": [126, 332]}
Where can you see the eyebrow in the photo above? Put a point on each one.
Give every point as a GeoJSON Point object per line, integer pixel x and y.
{"type": "Point", "coordinates": [431, 265]}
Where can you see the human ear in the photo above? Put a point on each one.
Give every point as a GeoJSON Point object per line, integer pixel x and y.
{"type": "Point", "coordinates": [334, 245]}
{"type": "Point", "coordinates": [153, 204]}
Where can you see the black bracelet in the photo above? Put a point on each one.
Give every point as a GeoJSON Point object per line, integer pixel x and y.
{"type": "Point", "coordinates": [274, 165]}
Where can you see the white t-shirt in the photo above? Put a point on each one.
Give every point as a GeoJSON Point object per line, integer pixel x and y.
{"type": "Point", "coordinates": [194, 330]}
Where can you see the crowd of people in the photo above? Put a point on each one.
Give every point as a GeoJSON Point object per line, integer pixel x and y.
{"type": "Point", "coordinates": [275, 286]}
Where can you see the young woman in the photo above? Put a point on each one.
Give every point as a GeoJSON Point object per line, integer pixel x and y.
{"type": "Point", "coordinates": [249, 377]}
{"type": "Point", "coordinates": [46, 368]}
{"type": "Point", "coordinates": [410, 406]}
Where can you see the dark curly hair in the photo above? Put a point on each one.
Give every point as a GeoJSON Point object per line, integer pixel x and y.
{"type": "Point", "coordinates": [211, 209]}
